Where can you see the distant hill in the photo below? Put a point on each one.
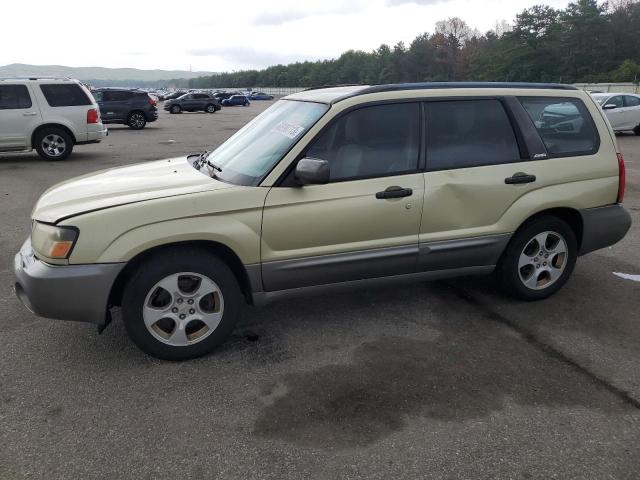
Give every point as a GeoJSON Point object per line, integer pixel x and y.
{"type": "Point", "coordinates": [99, 75]}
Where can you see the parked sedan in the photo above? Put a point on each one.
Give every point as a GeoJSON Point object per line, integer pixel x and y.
{"type": "Point", "coordinates": [236, 100]}
{"type": "Point", "coordinates": [193, 102]}
{"type": "Point", "coordinates": [261, 96]}
{"type": "Point", "coordinates": [174, 95]}
{"type": "Point", "coordinates": [622, 110]}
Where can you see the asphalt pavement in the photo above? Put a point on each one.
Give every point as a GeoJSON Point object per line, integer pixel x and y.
{"type": "Point", "coordinates": [433, 380]}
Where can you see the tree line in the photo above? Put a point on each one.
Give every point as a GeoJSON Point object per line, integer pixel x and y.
{"type": "Point", "coordinates": [586, 42]}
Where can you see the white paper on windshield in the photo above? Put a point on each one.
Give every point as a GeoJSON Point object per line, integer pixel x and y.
{"type": "Point", "coordinates": [288, 129]}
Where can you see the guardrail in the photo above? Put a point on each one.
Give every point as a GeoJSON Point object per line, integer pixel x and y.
{"type": "Point", "coordinates": [610, 87]}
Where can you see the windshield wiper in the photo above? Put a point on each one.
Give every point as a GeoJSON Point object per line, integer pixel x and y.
{"type": "Point", "coordinates": [213, 165]}
{"type": "Point", "coordinates": [202, 160]}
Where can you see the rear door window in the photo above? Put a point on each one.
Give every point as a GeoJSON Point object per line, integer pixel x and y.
{"type": "Point", "coordinates": [64, 95]}
{"type": "Point", "coordinates": [469, 133]}
{"type": "Point", "coordinates": [631, 101]}
{"type": "Point", "coordinates": [14, 97]}
{"type": "Point", "coordinates": [564, 124]}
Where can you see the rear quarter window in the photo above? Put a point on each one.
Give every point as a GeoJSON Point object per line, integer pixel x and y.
{"type": "Point", "coordinates": [64, 95]}
{"type": "Point", "coordinates": [564, 124]}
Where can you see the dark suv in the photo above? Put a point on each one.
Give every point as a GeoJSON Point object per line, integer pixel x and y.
{"type": "Point", "coordinates": [129, 107]}
{"type": "Point", "coordinates": [193, 102]}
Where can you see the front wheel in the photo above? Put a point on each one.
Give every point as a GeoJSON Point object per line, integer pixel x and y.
{"type": "Point", "coordinates": [181, 304]}
{"type": "Point", "coordinates": [175, 109]}
{"type": "Point", "coordinates": [539, 259]}
{"type": "Point", "coordinates": [210, 108]}
{"type": "Point", "coordinates": [637, 130]}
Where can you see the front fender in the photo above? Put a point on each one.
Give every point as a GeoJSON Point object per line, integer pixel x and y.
{"type": "Point", "coordinates": [231, 216]}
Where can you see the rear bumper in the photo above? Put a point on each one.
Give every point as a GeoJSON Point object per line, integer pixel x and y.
{"type": "Point", "coordinates": [151, 115]}
{"type": "Point", "coordinates": [603, 226]}
{"type": "Point", "coordinates": [96, 135]}
{"type": "Point", "coordinates": [69, 292]}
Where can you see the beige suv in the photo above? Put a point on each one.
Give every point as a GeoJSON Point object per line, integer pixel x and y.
{"type": "Point", "coordinates": [329, 189]}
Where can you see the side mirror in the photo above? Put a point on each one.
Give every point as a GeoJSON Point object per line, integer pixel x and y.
{"type": "Point", "coordinates": [312, 171]}
{"type": "Point", "coordinates": [609, 106]}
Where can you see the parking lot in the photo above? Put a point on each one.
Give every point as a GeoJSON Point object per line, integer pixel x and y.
{"type": "Point", "coordinates": [446, 379]}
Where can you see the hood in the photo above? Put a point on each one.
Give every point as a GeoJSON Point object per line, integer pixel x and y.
{"type": "Point", "coordinates": [119, 186]}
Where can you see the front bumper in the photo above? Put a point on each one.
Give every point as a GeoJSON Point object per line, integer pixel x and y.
{"type": "Point", "coordinates": [603, 226]}
{"type": "Point", "coordinates": [69, 292]}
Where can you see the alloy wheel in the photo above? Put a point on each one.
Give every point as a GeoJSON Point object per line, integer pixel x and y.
{"type": "Point", "coordinates": [54, 145]}
{"type": "Point", "coordinates": [543, 260]}
{"type": "Point", "coordinates": [183, 309]}
{"type": "Point", "coordinates": [137, 120]}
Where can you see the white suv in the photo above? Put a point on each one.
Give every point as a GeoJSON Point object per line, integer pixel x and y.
{"type": "Point", "coordinates": [48, 114]}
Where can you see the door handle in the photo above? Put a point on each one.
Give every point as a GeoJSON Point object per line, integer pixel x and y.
{"type": "Point", "coordinates": [519, 178]}
{"type": "Point", "coordinates": [395, 192]}
{"type": "Point", "coordinates": [30, 114]}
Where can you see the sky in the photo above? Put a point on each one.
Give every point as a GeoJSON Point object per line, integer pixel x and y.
{"type": "Point", "coordinates": [224, 36]}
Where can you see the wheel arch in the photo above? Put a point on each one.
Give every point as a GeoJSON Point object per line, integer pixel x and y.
{"type": "Point", "coordinates": [64, 128]}
{"type": "Point", "coordinates": [222, 251]}
{"type": "Point", "coordinates": [571, 216]}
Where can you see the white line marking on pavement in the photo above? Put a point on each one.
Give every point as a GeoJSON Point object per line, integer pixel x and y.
{"type": "Point", "coordinates": [627, 276]}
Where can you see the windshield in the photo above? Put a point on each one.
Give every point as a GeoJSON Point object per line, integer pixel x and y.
{"type": "Point", "coordinates": [249, 154]}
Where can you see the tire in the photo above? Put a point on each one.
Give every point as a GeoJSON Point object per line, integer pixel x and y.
{"type": "Point", "coordinates": [136, 120]}
{"type": "Point", "coordinates": [528, 275]}
{"type": "Point", "coordinates": [210, 108]}
{"type": "Point", "coordinates": [146, 302]}
{"type": "Point", "coordinates": [53, 144]}
{"type": "Point", "coordinates": [175, 109]}
{"type": "Point", "coordinates": [637, 130]}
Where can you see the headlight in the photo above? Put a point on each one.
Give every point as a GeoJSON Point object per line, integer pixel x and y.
{"type": "Point", "coordinates": [52, 241]}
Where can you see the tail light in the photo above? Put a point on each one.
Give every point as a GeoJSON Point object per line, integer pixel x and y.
{"type": "Point", "coordinates": [621, 178]}
{"type": "Point", "coordinates": [93, 116]}
{"type": "Point", "coordinates": [152, 101]}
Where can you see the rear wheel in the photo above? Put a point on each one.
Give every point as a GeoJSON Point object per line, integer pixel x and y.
{"type": "Point", "coordinates": [637, 130]}
{"type": "Point", "coordinates": [539, 259]}
{"type": "Point", "coordinates": [53, 144]}
{"type": "Point", "coordinates": [181, 304]}
{"type": "Point", "coordinates": [136, 120]}
{"type": "Point", "coordinates": [210, 108]}
{"type": "Point", "coordinates": [175, 109]}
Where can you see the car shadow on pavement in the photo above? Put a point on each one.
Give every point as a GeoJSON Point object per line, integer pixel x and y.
{"type": "Point", "coordinates": [473, 368]}
{"type": "Point", "coordinates": [400, 354]}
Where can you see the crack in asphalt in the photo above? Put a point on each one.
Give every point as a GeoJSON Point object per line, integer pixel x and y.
{"type": "Point", "coordinates": [545, 348]}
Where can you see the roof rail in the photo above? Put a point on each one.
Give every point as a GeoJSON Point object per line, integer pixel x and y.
{"type": "Point", "coordinates": [333, 86]}
{"type": "Point", "coordinates": [396, 87]}
{"type": "Point", "coordinates": [37, 77]}
{"type": "Point", "coordinates": [419, 86]}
